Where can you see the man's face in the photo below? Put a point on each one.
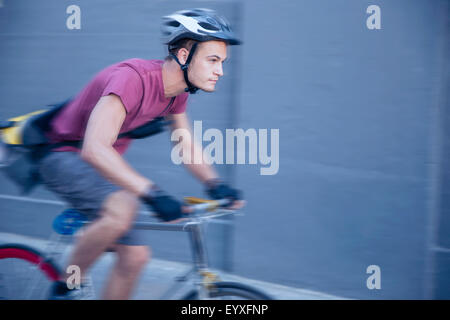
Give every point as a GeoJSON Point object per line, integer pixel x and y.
{"type": "Point", "coordinates": [206, 66]}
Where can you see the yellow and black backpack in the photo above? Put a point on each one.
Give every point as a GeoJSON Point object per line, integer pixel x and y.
{"type": "Point", "coordinates": [23, 142]}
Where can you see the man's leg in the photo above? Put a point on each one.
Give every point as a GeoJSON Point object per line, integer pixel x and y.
{"type": "Point", "coordinates": [114, 209]}
{"type": "Point", "coordinates": [116, 217]}
{"type": "Point", "coordinates": [126, 271]}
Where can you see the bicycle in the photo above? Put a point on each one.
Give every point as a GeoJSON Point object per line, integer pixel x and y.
{"type": "Point", "coordinates": [27, 273]}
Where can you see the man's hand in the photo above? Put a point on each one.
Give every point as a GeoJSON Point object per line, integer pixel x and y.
{"type": "Point", "coordinates": [217, 189]}
{"type": "Point", "coordinates": [166, 207]}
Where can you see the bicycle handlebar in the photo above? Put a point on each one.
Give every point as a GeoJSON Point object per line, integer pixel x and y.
{"type": "Point", "coordinates": [200, 205]}
{"type": "Point", "coordinates": [71, 220]}
{"type": "Point", "coordinates": [199, 211]}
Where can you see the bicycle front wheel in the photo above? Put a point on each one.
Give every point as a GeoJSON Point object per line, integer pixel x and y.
{"type": "Point", "coordinates": [25, 273]}
{"type": "Point", "coordinates": [230, 291]}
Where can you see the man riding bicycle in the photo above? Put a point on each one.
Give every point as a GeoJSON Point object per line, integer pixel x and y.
{"type": "Point", "coordinates": [96, 179]}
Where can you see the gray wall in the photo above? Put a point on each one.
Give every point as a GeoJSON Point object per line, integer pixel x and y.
{"type": "Point", "coordinates": [362, 116]}
{"type": "Point", "coordinates": [357, 111]}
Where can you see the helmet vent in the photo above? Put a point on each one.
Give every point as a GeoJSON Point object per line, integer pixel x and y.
{"type": "Point", "coordinates": [192, 14]}
{"type": "Point", "coordinates": [208, 26]}
{"type": "Point", "coordinates": [173, 23]}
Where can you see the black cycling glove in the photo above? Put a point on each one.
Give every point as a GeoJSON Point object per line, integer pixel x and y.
{"type": "Point", "coordinates": [217, 189]}
{"type": "Point", "coordinates": [166, 207]}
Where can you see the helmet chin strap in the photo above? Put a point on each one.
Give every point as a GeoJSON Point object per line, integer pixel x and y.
{"type": "Point", "coordinates": [191, 88]}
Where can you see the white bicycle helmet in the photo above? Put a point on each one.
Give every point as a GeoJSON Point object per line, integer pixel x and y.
{"type": "Point", "coordinates": [199, 24]}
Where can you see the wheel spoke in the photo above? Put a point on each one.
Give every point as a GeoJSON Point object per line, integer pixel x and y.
{"type": "Point", "coordinates": [24, 273]}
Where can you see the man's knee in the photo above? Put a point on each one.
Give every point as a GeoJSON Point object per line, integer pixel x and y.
{"type": "Point", "coordinates": [133, 258]}
{"type": "Point", "coordinates": [120, 209]}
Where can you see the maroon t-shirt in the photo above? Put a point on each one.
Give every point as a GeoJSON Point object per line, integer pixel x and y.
{"type": "Point", "coordinates": [139, 85]}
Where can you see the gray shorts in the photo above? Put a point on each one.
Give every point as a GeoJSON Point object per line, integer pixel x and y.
{"type": "Point", "coordinates": [81, 186]}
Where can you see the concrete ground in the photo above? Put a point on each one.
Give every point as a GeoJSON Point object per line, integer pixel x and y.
{"type": "Point", "coordinates": [159, 276]}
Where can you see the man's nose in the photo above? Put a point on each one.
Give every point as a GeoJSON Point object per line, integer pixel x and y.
{"type": "Point", "coordinates": [219, 70]}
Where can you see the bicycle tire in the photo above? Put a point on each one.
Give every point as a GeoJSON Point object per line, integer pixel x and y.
{"type": "Point", "coordinates": [230, 291]}
{"type": "Point", "coordinates": [25, 273]}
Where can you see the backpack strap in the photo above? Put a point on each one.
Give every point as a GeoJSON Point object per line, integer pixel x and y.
{"type": "Point", "coordinates": [142, 82]}
{"type": "Point", "coordinates": [34, 129]}
{"type": "Point", "coordinates": [150, 128]}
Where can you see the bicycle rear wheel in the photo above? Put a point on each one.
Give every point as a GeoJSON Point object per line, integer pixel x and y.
{"type": "Point", "coordinates": [25, 273]}
{"type": "Point", "coordinates": [230, 291]}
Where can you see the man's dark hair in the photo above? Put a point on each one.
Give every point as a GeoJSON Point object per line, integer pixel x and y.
{"type": "Point", "coordinates": [182, 43]}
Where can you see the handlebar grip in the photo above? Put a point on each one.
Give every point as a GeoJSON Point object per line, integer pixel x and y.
{"type": "Point", "coordinates": [206, 204]}
{"type": "Point", "coordinates": [195, 200]}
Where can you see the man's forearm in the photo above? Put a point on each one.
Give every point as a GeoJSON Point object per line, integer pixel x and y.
{"type": "Point", "coordinates": [114, 167]}
{"type": "Point", "coordinates": [202, 172]}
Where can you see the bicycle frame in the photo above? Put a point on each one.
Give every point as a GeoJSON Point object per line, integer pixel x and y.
{"type": "Point", "coordinates": [199, 271]}
{"type": "Point", "coordinates": [205, 284]}
{"type": "Point", "coordinates": [194, 226]}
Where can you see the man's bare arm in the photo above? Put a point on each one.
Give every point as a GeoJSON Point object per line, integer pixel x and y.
{"type": "Point", "coordinates": [102, 130]}
{"type": "Point", "coordinates": [202, 171]}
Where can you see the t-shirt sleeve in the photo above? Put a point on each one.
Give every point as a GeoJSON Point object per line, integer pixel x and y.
{"type": "Point", "coordinates": [126, 83]}
{"type": "Point", "coordinates": [180, 104]}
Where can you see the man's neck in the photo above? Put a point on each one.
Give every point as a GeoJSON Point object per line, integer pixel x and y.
{"type": "Point", "coordinates": [173, 79]}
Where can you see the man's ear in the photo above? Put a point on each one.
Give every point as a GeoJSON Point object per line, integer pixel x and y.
{"type": "Point", "coordinates": [183, 55]}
